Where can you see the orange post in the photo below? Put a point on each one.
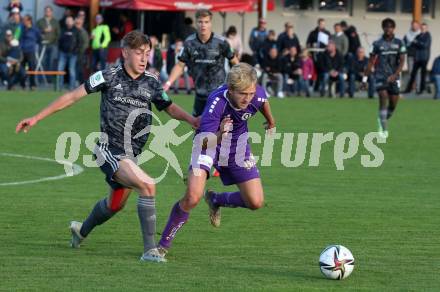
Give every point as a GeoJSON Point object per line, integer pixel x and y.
{"type": "Point", "coordinates": [94, 9]}
{"type": "Point", "coordinates": [417, 10]}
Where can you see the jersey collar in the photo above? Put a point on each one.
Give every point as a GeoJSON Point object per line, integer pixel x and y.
{"type": "Point", "coordinates": [210, 38]}
{"type": "Point", "coordinates": [129, 76]}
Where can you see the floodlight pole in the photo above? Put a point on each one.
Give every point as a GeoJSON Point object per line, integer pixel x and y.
{"type": "Point", "coordinates": [417, 10]}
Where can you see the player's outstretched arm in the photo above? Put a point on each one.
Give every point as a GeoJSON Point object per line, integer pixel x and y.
{"type": "Point", "coordinates": [176, 112]}
{"type": "Point", "coordinates": [60, 103]}
{"type": "Point", "coordinates": [267, 113]}
{"type": "Point", "coordinates": [174, 75]}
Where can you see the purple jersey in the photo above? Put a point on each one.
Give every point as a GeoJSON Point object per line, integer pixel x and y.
{"type": "Point", "coordinates": [234, 151]}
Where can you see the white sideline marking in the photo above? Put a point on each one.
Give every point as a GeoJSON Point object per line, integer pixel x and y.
{"type": "Point", "coordinates": [76, 169]}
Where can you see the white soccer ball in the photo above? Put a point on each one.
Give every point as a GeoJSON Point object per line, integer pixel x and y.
{"type": "Point", "coordinates": [336, 262]}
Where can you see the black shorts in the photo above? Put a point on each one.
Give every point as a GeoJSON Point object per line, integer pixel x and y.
{"type": "Point", "coordinates": [199, 105]}
{"type": "Point", "coordinates": [393, 88]}
{"type": "Point", "coordinates": [108, 161]}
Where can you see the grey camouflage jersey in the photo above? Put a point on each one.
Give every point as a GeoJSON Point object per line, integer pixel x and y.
{"type": "Point", "coordinates": [123, 97]}
{"type": "Point", "coordinates": [206, 61]}
{"type": "Point", "coordinates": [388, 56]}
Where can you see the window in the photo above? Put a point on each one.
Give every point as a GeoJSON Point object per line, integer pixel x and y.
{"type": "Point", "coordinates": [382, 5]}
{"type": "Point", "coordinates": [333, 5]}
{"type": "Point", "coordinates": [298, 4]}
{"type": "Point", "coordinates": [407, 6]}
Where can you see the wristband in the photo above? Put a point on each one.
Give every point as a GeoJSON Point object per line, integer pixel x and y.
{"type": "Point", "coordinates": [168, 83]}
{"type": "Point", "coordinates": [364, 79]}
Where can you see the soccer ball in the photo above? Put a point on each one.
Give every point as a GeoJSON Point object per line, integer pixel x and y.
{"type": "Point", "coordinates": [336, 262]}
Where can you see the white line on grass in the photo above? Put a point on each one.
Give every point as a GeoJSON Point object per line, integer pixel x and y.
{"type": "Point", "coordinates": [76, 169]}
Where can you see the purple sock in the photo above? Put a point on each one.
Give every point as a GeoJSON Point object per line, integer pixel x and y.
{"type": "Point", "coordinates": [229, 199]}
{"type": "Point", "coordinates": [177, 218]}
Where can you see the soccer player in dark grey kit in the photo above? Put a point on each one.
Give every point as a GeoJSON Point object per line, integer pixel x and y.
{"type": "Point", "coordinates": [204, 54]}
{"type": "Point", "coordinates": [388, 58]}
{"type": "Point", "coordinates": [127, 92]}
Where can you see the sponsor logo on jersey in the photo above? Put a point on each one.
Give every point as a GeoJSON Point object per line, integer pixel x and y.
{"type": "Point", "coordinates": [246, 116]}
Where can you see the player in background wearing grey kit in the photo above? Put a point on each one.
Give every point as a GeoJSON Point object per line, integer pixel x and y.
{"type": "Point", "coordinates": [204, 53]}
{"type": "Point", "coordinates": [126, 89]}
{"type": "Point", "coordinates": [224, 118]}
{"type": "Point", "coordinates": [388, 58]}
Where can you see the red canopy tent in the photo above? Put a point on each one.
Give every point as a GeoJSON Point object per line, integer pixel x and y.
{"type": "Point", "coordinates": [174, 5]}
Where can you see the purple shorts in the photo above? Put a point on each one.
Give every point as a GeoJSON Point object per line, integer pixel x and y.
{"type": "Point", "coordinates": [233, 175]}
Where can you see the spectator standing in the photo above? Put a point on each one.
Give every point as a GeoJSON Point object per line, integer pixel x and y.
{"type": "Point", "coordinates": [435, 75]}
{"type": "Point", "coordinates": [188, 28]}
{"type": "Point", "coordinates": [353, 37]}
{"type": "Point", "coordinates": [10, 59]}
{"type": "Point", "coordinates": [269, 43]}
{"type": "Point", "coordinates": [125, 27]}
{"type": "Point", "coordinates": [14, 23]}
{"type": "Point", "coordinates": [318, 40]}
{"type": "Point", "coordinates": [319, 37]}
{"type": "Point", "coordinates": [340, 40]}
{"type": "Point", "coordinates": [287, 39]}
{"type": "Point", "coordinates": [100, 40]}
{"type": "Point", "coordinates": [256, 40]}
{"type": "Point", "coordinates": [50, 33]}
{"type": "Point", "coordinates": [30, 39]}
{"type": "Point", "coordinates": [292, 71]}
{"type": "Point", "coordinates": [272, 71]}
{"type": "Point", "coordinates": [155, 61]}
{"type": "Point", "coordinates": [357, 65]}
{"type": "Point", "coordinates": [331, 63]}
{"type": "Point", "coordinates": [234, 41]}
{"type": "Point", "coordinates": [81, 62]}
{"type": "Point", "coordinates": [408, 39]}
{"type": "Point", "coordinates": [307, 68]}
{"type": "Point", "coordinates": [69, 49]}
{"type": "Point", "coordinates": [172, 59]}
{"type": "Point", "coordinates": [422, 45]}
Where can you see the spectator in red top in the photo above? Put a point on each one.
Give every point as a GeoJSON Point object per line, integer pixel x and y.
{"type": "Point", "coordinates": [125, 27]}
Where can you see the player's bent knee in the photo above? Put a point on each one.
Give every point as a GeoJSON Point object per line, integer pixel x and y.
{"type": "Point", "coordinates": [147, 188]}
{"type": "Point", "coordinates": [190, 201]}
{"type": "Point", "coordinates": [256, 204]}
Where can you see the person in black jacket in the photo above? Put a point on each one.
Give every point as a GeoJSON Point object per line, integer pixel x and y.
{"type": "Point", "coordinates": [68, 46]}
{"type": "Point", "coordinates": [422, 45]}
{"type": "Point", "coordinates": [172, 53]}
{"type": "Point", "coordinates": [287, 39]}
{"type": "Point", "coordinates": [272, 71]}
{"type": "Point", "coordinates": [353, 37]}
{"type": "Point", "coordinates": [269, 43]}
{"type": "Point", "coordinates": [331, 69]}
{"type": "Point", "coordinates": [292, 72]}
{"type": "Point", "coordinates": [357, 65]}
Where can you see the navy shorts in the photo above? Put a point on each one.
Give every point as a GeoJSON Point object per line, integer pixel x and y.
{"type": "Point", "coordinates": [393, 88]}
{"type": "Point", "coordinates": [108, 163]}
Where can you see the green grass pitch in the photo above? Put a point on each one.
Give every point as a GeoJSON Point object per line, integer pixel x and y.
{"type": "Point", "coordinates": [389, 216]}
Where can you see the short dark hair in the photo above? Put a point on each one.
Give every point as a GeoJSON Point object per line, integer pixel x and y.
{"type": "Point", "coordinates": [203, 13]}
{"type": "Point", "coordinates": [388, 22]}
{"type": "Point", "coordinates": [135, 39]}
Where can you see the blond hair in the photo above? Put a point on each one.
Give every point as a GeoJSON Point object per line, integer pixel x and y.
{"type": "Point", "coordinates": [241, 76]}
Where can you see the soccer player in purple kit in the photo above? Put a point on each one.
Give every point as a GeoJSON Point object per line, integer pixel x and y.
{"type": "Point", "coordinates": [222, 138]}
